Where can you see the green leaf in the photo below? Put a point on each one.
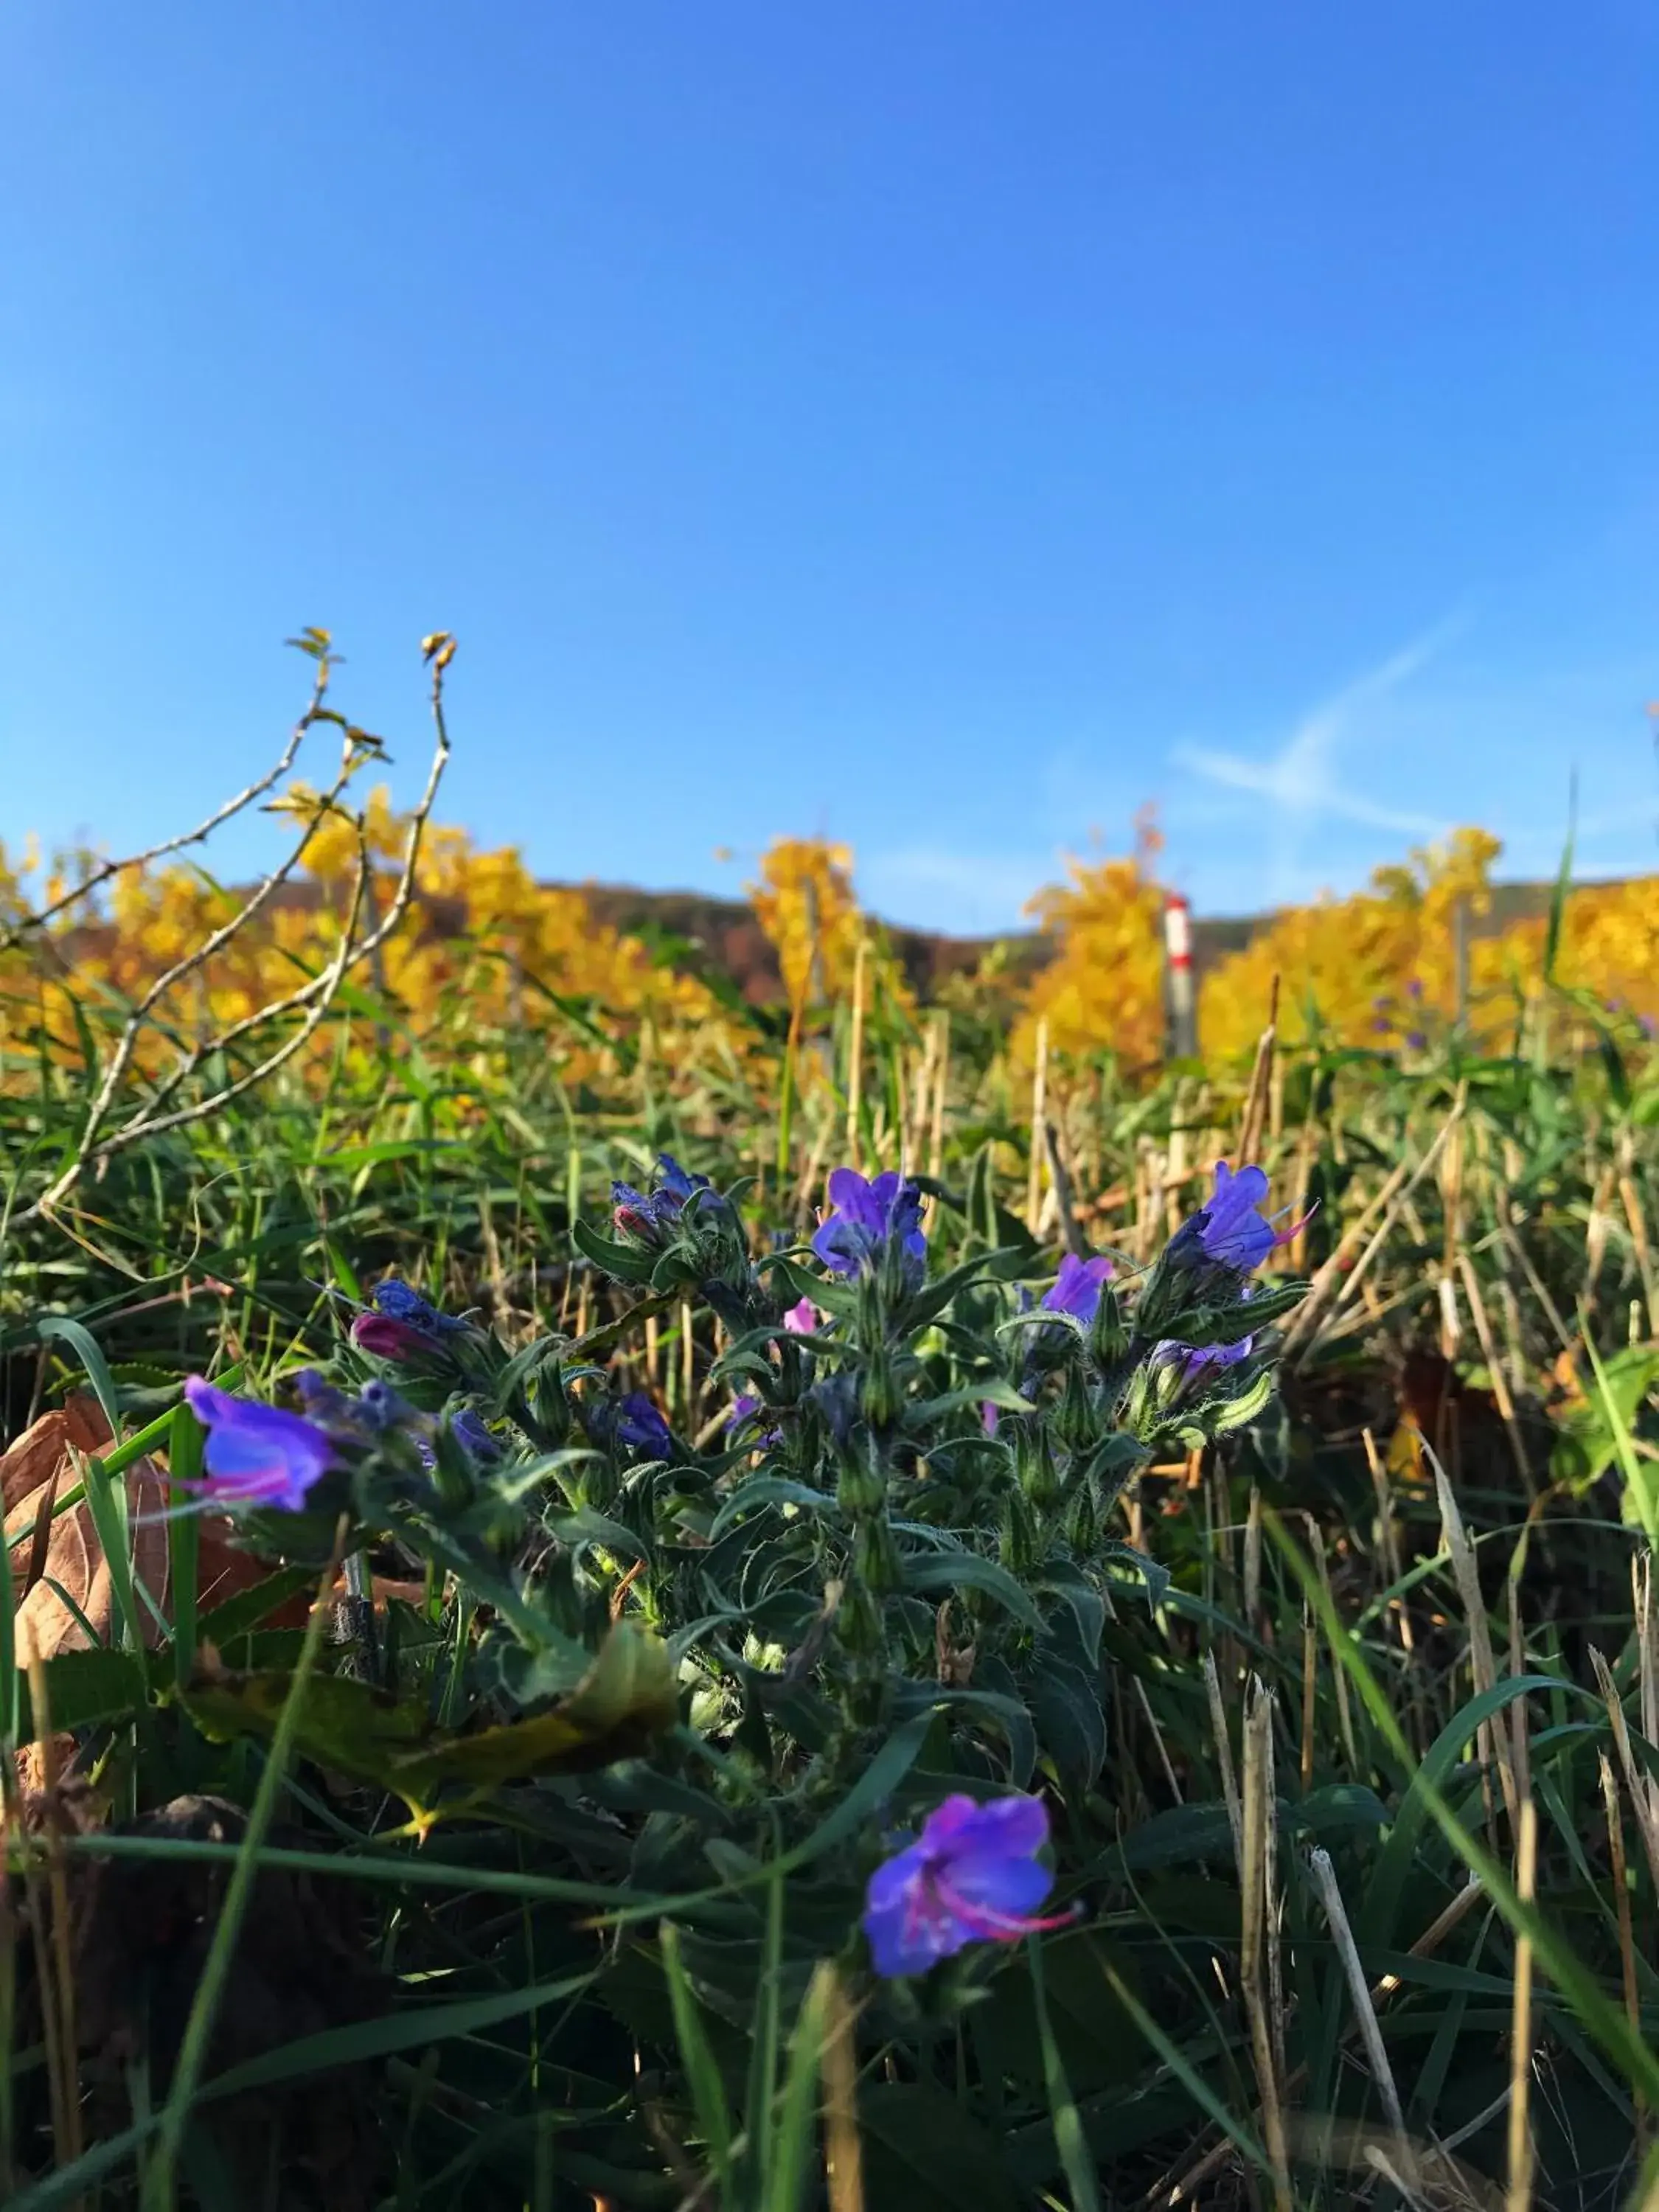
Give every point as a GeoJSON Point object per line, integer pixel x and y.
{"type": "Point", "coordinates": [1558, 914]}
{"type": "Point", "coordinates": [625, 1701]}
{"type": "Point", "coordinates": [84, 1688]}
{"type": "Point", "coordinates": [1065, 1706]}
{"type": "Point", "coordinates": [1588, 1438]}
{"type": "Point", "coordinates": [1155, 1577]}
{"type": "Point", "coordinates": [60, 1329]}
{"type": "Point", "coordinates": [763, 1490]}
{"type": "Point", "coordinates": [222, 1624]}
{"type": "Point", "coordinates": [1394, 1863]}
{"type": "Point", "coordinates": [924, 2151]}
{"type": "Point", "coordinates": [1062, 2106]}
{"type": "Point", "coordinates": [948, 1570]}
{"type": "Point", "coordinates": [626, 1262]}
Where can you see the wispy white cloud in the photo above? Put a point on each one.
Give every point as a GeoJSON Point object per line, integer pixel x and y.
{"type": "Point", "coordinates": [1301, 781]}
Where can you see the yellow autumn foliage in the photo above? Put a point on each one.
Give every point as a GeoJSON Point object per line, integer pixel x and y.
{"type": "Point", "coordinates": [805, 903]}
{"type": "Point", "coordinates": [1380, 967]}
{"type": "Point", "coordinates": [1103, 990]}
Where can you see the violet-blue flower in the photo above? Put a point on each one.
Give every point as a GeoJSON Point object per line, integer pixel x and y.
{"type": "Point", "coordinates": [1229, 1228]}
{"type": "Point", "coordinates": [972, 1875]}
{"type": "Point", "coordinates": [1194, 1360]}
{"type": "Point", "coordinates": [399, 1324]}
{"type": "Point", "coordinates": [1077, 1290]}
{"type": "Point", "coordinates": [399, 1302]}
{"type": "Point", "coordinates": [746, 1409]}
{"type": "Point", "coordinates": [474, 1436]}
{"type": "Point", "coordinates": [256, 1456]}
{"type": "Point", "coordinates": [642, 1427]}
{"type": "Point", "coordinates": [652, 1217]}
{"type": "Point", "coordinates": [870, 1214]}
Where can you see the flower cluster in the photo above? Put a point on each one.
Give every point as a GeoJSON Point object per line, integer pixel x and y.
{"type": "Point", "coordinates": [870, 1217]}
{"type": "Point", "coordinates": [257, 1456]}
{"type": "Point", "coordinates": [399, 1324]}
{"type": "Point", "coordinates": [972, 1875]}
{"type": "Point", "coordinates": [651, 1217]}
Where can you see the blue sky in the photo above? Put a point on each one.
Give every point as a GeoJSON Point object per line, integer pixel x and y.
{"type": "Point", "coordinates": [947, 425]}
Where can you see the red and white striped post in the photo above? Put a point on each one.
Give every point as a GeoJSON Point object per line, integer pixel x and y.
{"type": "Point", "coordinates": [1179, 999]}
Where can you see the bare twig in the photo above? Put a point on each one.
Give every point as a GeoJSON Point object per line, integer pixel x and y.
{"type": "Point", "coordinates": [314, 1000]}
{"type": "Point", "coordinates": [42, 917]}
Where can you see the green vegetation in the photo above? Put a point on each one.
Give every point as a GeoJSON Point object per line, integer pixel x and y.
{"type": "Point", "coordinates": [541, 1884]}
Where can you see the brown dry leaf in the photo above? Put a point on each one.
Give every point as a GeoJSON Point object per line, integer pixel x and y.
{"type": "Point", "coordinates": [74, 1559]}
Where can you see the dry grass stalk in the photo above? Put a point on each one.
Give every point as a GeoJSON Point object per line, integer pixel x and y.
{"type": "Point", "coordinates": [1597, 1229]}
{"type": "Point", "coordinates": [844, 2155]}
{"type": "Point", "coordinates": [1253, 1563]}
{"type": "Point", "coordinates": [1638, 1237]}
{"type": "Point", "coordinates": [1062, 1194]}
{"type": "Point", "coordinates": [688, 1358]}
{"type": "Point", "coordinates": [1256, 1098]}
{"type": "Point", "coordinates": [1180, 2188]}
{"type": "Point", "coordinates": [1163, 1759]}
{"type": "Point", "coordinates": [1224, 1755]}
{"type": "Point", "coordinates": [1330, 1896]}
{"type": "Point", "coordinates": [1310, 1694]}
{"type": "Point", "coordinates": [1260, 1816]}
{"type": "Point", "coordinates": [855, 1057]}
{"type": "Point", "coordinates": [1647, 1660]}
{"type": "Point", "coordinates": [941, 1078]}
{"type": "Point", "coordinates": [54, 1973]}
{"type": "Point", "coordinates": [1296, 1255]}
{"type": "Point", "coordinates": [1500, 1388]}
{"type": "Point", "coordinates": [1635, 1782]}
{"type": "Point", "coordinates": [1039, 1118]}
{"type": "Point", "coordinates": [1339, 1672]}
{"type": "Point", "coordinates": [1621, 1872]}
{"type": "Point", "coordinates": [1519, 2198]}
{"type": "Point", "coordinates": [1494, 1743]}
{"type": "Point", "coordinates": [1451, 1202]}
{"type": "Point", "coordinates": [1520, 1735]}
{"type": "Point", "coordinates": [1337, 1282]}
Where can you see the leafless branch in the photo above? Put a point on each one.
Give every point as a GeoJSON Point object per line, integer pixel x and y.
{"type": "Point", "coordinates": [314, 1000]}
{"type": "Point", "coordinates": [41, 917]}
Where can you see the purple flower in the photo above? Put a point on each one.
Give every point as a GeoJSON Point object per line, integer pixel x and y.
{"type": "Point", "coordinates": [1077, 1291]}
{"type": "Point", "coordinates": [744, 1408]}
{"type": "Point", "coordinates": [474, 1436]}
{"type": "Point", "coordinates": [1230, 1229]}
{"type": "Point", "coordinates": [1416, 1039]}
{"type": "Point", "coordinates": [869, 1216]}
{"type": "Point", "coordinates": [1647, 1026]}
{"type": "Point", "coordinates": [325, 1408]}
{"type": "Point", "coordinates": [1193, 1361]}
{"type": "Point", "coordinates": [399, 1302]}
{"type": "Point", "coordinates": [1415, 986]}
{"type": "Point", "coordinates": [642, 1427]}
{"type": "Point", "coordinates": [652, 1217]}
{"type": "Point", "coordinates": [802, 1318]}
{"type": "Point", "coordinates": [987, 1414]}
{"type": "Point", "coordinates": [972, 1876]}
{"type": "Point", "coordinates": [401, 1324]}
{"type": "Point", "coordinates": [256, 1455]}
{"type": "Point", "coordinates": [382, 1338]}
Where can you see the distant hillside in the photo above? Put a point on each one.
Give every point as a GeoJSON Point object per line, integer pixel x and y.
{"type": "Point", "coordinates": [722, 937]}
